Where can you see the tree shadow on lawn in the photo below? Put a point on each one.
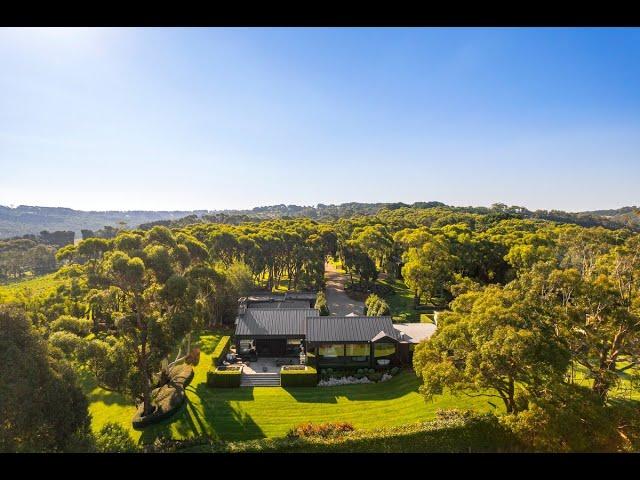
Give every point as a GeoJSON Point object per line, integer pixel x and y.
{"type": "Point", "coordinates": [95, 393]}
{"type": "Point", "coordinates": [211, 415]}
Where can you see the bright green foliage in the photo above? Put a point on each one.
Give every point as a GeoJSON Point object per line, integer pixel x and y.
{"type": "Point", "coordinates": [491, 343]}
{"type": "Point", "coordinates": [376, 306]}
{"type": "Point", "coordinates": [321, 304]}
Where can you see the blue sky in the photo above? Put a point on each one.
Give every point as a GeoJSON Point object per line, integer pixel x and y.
{"type": "Point", "coordinates": [156, 119]}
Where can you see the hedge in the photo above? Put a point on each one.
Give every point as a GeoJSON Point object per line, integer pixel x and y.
{"type": "Point", "coordinates": [450, 432]}
{"type": "Point", "coordinates": [299, 378]}
{"type": "Point", "coordinates": [221, 350]}
{"type": "Point", "coordinates": [224, 378]}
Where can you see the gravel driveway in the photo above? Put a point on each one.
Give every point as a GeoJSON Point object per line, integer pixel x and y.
{"type": "Point", "coordinates": [338, 302]}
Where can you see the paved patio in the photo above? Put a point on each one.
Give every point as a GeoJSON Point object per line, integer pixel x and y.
{"type": "Point", "coordinates": [269, 363]}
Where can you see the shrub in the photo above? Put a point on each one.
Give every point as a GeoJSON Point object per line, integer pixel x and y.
{"type": "Point", "coordinates": [321, 304]}
{"type": "Point", "coordinates": [221, 350]}
{"type": "Point", "coordinates": [323, 430]}
{"type": "Point", "coordinates": [224, 378]}
{"type": "Point", "coordinates": [80, 326]}
{"type": "Point", "coordinates": [375, 377]}
{"type": "Point", "coordinates": [68, 342]}
{"type": "Point", "coordinates": [371, 370]}
{"type": "Point", "coordinates": [360, 371]}
{"type": "Point", "coordinates": [394, 371]}
{"type": "Point", "coordinates": [113, 437]}
{"type": "Point", "coordinates": [374, 306]}
{"type": "Point", "coordinates": [298, 378]}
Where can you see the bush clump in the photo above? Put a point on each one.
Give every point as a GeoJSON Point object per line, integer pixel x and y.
{"type": "Point", "coordinates": [321, 304]}
{"type": "Point", "coordinates": [323, 430]}
{"type": "Point", "coordinates": [114, 438]}
{"type": "Point", "coordinates": [374, 306]}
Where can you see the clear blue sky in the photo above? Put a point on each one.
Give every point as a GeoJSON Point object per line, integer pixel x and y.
{"type": "Point", "coordinates": [236, 118]}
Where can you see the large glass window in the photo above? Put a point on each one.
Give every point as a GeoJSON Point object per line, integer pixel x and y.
{"type": "Point", "coordinates": [331, 350]}
{"type": "Point", "coordinates": [384, 349]}
{"type": "Point", "coordinates": [358, 352]}
{"type": "Point", "coordinates": [357, 349]}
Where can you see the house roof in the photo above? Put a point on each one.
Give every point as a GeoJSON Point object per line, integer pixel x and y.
{"type": "Point", "coordinates": [414, 332]}
{"type": "Point", "coordinates": [348, 329]}
{"type": "Point", "coordinates": [299, 304]}
{"type": "Point", "coordinates": [274, 322]}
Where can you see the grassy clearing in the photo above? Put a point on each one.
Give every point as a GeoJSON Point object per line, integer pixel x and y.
{"type": "Point", "coordinates": [33, 287]}
{"type": "Point", "coordinates": [401, 303]}
{"type": "Point", "coordinates": [252, 413]}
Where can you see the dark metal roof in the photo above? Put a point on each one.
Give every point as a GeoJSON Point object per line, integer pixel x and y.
{"type": "Point", "coordinates": [286, 304]}
{"type": "Point", "coordinates": [278, 322]}
{"type": "Point", "coordinates": [348, 329]}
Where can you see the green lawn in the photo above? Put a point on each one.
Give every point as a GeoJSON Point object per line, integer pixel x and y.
{"type": "Point", "coordinates": [250, 413]}
{"type": "Point", "coordinates": [401, 303]}
{"type": "Point", "coordinates": [32, 287]}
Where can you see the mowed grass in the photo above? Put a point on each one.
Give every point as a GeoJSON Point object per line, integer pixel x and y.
{"type": "Point", "coordinates": [30, 288]}
{"type": "Point", "coordinates": [401, 303]}
{"type": "Point", "coordinates": [251, 413]}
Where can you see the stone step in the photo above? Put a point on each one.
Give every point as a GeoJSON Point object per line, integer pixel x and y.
{"type": "Point", "coordinates": [260, 380]}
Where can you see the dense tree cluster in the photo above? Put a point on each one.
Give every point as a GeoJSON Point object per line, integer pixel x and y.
{"type": "Point", "coordinates": [19, 257]}
{"type": "Point", "coordinates": [523, 301]}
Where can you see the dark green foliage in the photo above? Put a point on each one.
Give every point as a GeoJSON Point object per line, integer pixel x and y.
{"type": "Point", "coordinates": [114, 438]}
{"type": "Point", "coordinates": [41, 405]}
{"type": "Point", "coordinates": [224, 378]}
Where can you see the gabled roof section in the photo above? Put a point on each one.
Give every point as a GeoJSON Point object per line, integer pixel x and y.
{"type": "Point", "coordinates": [274, 322]}
{"type": "Point", "coordinates": [383, 336]}
{"type": "Point", "coordinates": [349, 329]}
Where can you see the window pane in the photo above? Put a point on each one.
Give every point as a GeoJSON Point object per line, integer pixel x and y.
{"type": "Point", "coordinates": [331, 350]}
{"type": "Point", "coordinates": [357, 350]}
{"type": "Point", "coordinates": [384, 349]}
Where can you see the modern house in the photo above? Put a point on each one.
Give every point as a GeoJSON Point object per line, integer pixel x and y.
{"type": "Point", "coordinates": [279, 327]}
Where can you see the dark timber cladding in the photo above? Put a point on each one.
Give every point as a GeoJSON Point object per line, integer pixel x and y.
{"type": "Point", "coordinates": [349, 329]}
{"type": "Point", "coordinates": [274, 323]}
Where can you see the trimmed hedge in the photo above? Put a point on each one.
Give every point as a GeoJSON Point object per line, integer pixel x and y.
{"type": "Point", "coordinates": [451, 432]}
{"type": "Point", "coordinates": [221, 350]}
{"type": "Point", "coordinates": [224, 378]}
{"type": "Point", "coordinates": [299, 378]}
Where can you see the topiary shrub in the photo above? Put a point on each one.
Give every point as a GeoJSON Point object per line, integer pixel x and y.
{"type": "Point", "coordinates": [221, 350]}
{"type": "Point", "coordinates": [224, 377]}
{"type": "Point", "coordinates": [298, 378]}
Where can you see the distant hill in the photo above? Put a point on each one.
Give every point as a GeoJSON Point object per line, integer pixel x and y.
{"type": "Point", "coordinates": [24, 219]}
